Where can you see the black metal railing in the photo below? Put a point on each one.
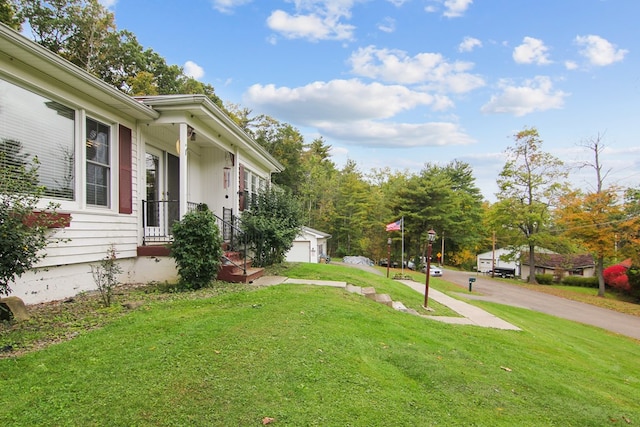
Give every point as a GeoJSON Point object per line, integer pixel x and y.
{"type": "Point", "coordinates": [158, 218]}
{"type": "Point", "coordinates": [234, 237]}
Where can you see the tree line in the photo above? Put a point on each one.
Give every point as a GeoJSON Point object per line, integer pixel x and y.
{"type": "Point", "coordinates": [535, 207]}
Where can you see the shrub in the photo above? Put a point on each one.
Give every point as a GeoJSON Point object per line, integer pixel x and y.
{"type": "Point", "coordinates": [271, 223]}
{"type": "Point", "coordinates": [197, 248]}
{"type": "Point", "coordinates": [23, 235]}
{"type": "Point", "coordinates": [104, 275]}
{"type": "Point", "coordinates": [616, 277]}
{"type": "Point", "coordinates": [585, 282]}
{"type": "Point", "coordinates": [544, 279]}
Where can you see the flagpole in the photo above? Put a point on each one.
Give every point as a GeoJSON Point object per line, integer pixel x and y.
{"type": "Point", "coordinates": [402, 227]}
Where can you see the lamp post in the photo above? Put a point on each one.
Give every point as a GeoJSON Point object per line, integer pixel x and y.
{"type": "Point", "coordinates": [388, 255]}
{"type": "Point", "coordinates": [431, 236]}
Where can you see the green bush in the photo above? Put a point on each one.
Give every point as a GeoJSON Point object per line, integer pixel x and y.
{"type": "Point", "coordinates": [544, 279]}
{"type": "Point", "coordinates": [585, 282]}
{"type": "Point", "coordinates": [197, 248]}
{"type": "Point", "coordinates": [271, 223]}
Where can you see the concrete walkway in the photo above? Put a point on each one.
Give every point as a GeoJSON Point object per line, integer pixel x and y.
{"type": "Point", "coordinates": [471, 315]}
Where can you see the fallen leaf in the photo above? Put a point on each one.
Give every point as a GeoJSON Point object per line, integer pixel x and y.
{"type": "Point", "coordinates": [628, 421]}
{"type": "Point", "coordinates": [505, 368]}
{"type": "Point", "coordinates": [267, 420]}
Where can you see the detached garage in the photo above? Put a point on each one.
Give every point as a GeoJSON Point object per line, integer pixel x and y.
{"type": "Point", "coordinates": [309, 246]}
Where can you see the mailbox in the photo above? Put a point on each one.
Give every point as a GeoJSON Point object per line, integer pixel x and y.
{"type": "Point", "coordinates": [471, 280]}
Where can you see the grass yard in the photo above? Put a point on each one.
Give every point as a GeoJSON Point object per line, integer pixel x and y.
{"type": "Point", "coordinates": [295, 355]}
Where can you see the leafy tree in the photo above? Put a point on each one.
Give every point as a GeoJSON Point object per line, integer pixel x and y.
{"type": "Point", "coordinates": [352, 218]}
{"type": "Point", "coordinates": [592, 219]}
{"type": "Point", "coordinates": [271, 223]}
{"type": "Point", "coordinates": [9, 15]}
{"type": "Point", "coordinates": [530, 183]}
{"type": "Point", "coordinates": [197, 248]}
{"type": "Point", "coordinates": [285, 143]}
{"type": "Point", "coordinates": [316, 189]}
{"type": "Point", "coordinates": [628, 231]}
{"type": "Point", "coordinates": [23, 234]}
{"type": "Point", "coordinates": [85, 33]}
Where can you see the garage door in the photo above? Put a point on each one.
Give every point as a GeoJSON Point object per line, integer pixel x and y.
{"type": "Point", "coordinates": [299, 252]}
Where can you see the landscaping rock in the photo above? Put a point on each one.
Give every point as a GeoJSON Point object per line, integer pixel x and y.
{"type": "Point", "coordinates": [15, 306]}
{"type": "Point", "coordinates": [384, 299]}
{"type": "Point", "coordinates": [369, 293]}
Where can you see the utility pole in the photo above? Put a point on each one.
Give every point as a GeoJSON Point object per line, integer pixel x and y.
{"type": "Point", "coordinates": [442, 251]}
{"type": "Point", "coordinates": [493, 254]}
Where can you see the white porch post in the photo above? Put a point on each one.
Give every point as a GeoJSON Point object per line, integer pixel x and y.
{"type": "Point", "coordinates": [183, 169]}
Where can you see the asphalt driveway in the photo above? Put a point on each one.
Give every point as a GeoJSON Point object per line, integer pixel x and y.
{"type": "Point", "coordinates": [488, 289]}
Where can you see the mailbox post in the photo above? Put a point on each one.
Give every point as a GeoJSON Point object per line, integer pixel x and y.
{"type": "Point", "coordinates": [471, 280]}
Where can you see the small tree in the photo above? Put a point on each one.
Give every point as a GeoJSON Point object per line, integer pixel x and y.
{"type": "Point", "coordinates": [272, 223]}
{"type": "Point", "coordinates": [23, 234]}
{"type": "Point", "coordinates": [105, 275]}
{"type": "Point", "coordinates": [197, 248]}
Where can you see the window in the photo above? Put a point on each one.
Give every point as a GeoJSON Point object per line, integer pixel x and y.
{"type": "Point", "coordinates": [98, 149]}
{"type": "Point", "coordinates": [33, 126]}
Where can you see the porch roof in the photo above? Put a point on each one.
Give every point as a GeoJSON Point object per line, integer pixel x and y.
{"type": "Point", "coordinates": [200, 107]}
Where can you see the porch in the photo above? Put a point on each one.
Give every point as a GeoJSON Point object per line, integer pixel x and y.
{"type": "Point", "coordinates": [157, 221]}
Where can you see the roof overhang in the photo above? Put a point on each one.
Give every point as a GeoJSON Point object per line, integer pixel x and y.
{"type": "Point", "coordinates": [27, 54]}
{"type": "Point", "coordinates": [201, 108]}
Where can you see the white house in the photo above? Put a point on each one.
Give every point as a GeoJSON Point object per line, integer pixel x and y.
{"type": "Point", "coordinates": [121, 168]}
{"type": "Point", "coordinates": [309, 246]}
{"type": "Point", "coordinates": [503, 259]}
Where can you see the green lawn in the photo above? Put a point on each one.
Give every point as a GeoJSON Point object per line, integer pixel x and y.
{"type": "Point", "coordinates": [316, 356]}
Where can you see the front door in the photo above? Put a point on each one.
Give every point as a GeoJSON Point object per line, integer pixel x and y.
{"type": "Point", "coordinates": [154, 213]}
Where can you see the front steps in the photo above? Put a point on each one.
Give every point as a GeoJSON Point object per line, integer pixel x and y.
{"type": "Point", "coordinates": [232, 271]}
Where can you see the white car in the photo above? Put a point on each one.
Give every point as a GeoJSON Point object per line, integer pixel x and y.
{"type": "Point", "coordinates": [434, 271]}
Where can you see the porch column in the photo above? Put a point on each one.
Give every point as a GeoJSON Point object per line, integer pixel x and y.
{"type": "Point", "coordinates": [183, 169]}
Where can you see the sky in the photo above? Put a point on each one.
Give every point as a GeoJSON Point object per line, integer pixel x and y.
{"type": "Point", "coordinates": [404, 83]}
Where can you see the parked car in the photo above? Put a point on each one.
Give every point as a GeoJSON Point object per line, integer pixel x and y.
{"type": "Point", "coordinates": [383, 263]}
{"type": "Point", "coordinates": [435, 271]}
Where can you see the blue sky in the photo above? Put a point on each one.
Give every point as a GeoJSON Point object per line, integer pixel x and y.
{"type": "Point", "coordinates": [399, 83]}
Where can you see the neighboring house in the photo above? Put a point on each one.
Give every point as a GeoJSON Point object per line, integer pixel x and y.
{"type": "Point", "coordinates": [558, 264]}
{"type": "Point", "coordinates": [503, 259]}
{"type": "Point", "coordinates": [121, 168]}
{"type": "Point", "coordinates": [309, 246]}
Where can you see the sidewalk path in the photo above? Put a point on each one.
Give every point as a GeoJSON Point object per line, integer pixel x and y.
{"type": "Point", "coordinates": [471, 315]}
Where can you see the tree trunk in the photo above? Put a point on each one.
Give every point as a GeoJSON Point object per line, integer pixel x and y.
{"type": "Point", "coordinates": [599, 270]}
{"type": "Point", "coordinates": [532, 265]}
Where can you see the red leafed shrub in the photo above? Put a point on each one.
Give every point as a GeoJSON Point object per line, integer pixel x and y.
{"type": "Point", "coordinates": [616, 277]}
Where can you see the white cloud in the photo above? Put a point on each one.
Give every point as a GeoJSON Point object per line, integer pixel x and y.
{"type": "Point", "coordinates": [431, 69]}
{"type": "Point", "coordinates": [336, 100]}
{"type": "Point", "coordinates": [397, 135]}
{"type": "Point", "coordinates": [388, 25]}
{"type": "Point", "coordinates": [397, 3]}
{"type": "Point", "coordinates": [227, 6]}
{"type": "Point", "coordinates": [192, 69]}
{"type": "Point", "coordinates": [599, 51]}
{"type": "Point", "coordinates": [468, 44]}
{"type": "Point", "coordinates": [456, 8]}
{"type": "Point", "coordinates": [570, 65]}
{"type": "Point", "coordinates": [531, 51]}
{"type": "Point", "coordinates": [534, 95]}
{"type": "Point", "coordinates": [314, 20]}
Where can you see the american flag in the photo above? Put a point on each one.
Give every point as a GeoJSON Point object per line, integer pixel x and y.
{"type": "Point", "coordinates": [395, 226]}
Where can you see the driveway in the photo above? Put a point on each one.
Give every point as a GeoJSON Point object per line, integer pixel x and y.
{"type": "Point", "coordinates": [487, 289]}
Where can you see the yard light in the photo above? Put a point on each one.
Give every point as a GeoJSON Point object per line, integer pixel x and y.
{"type": "Point", "coordinates": [431, 237]}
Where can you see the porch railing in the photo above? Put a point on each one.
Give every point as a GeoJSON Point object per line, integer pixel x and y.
{"type": "Point", "coordinates": [158, 218]}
